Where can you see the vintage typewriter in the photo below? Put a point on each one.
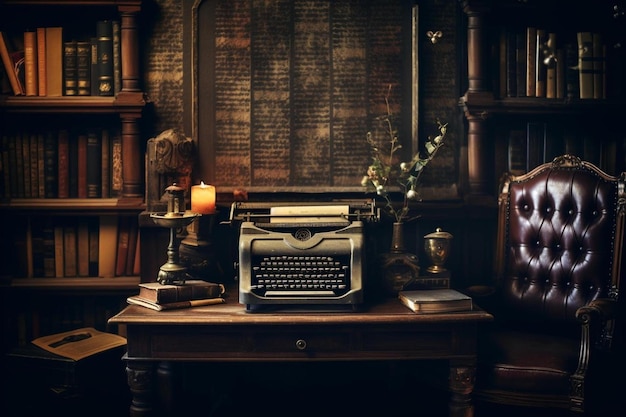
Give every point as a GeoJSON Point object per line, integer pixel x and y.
{"type": "Point", "coordinates": [302, 254]}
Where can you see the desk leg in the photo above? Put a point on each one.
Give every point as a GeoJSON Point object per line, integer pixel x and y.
{"type": "Point", "coordinates": [461, 381]}
{"type": "Point", "coordinates": [141, 382]}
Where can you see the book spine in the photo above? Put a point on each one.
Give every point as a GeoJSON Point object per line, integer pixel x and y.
{"type": "Point", "coordinates": [572, 83]}
{"type": "Point", "coordinates": [531, 65]}
{"type": "Point", "coordinates": [83, 68]}
{"type": "Point", "coordinates": [34, 166]}
{"type": "Point", "coordinates": [30, 63]}
{"type": "Point", "coordinates": [585, 64]}
{"type": "Point", "coordinates": [37, 246]}
{"type": "Point", "coordinates": [551, 69]}
{"type": "Point", "coordinates": [137, 263]}
{"type": "Point", "coordinates": [48, 250]}
{"type": "Point", "coordinates": [116, 166]}
{"type": "Point", "coordinates": [25, 147]}
{"type": "Point", "coordinates": [520, 59]}
{"type": "Point", "coordinates": [561, 90]}
{"type": "Point", "coordinates": [82, 244]}
{"type": "Point", "coordinates": [107, 244]}
{"type": "Point", "coordinates": [29, 247]}
{"type": "Point", "coordinates": [93, 59]}
{"type": "Point", "coordinates": [41, 164]}
{"type": "Point", "coordinates": [82, 166]}
{"type": "Point", "coordinates": [117, 55]}
{"type": "Point", "coordinates": [41, 62]}
{"type": "Point", "coordinates": [132, 245]}
{"type": "Point", "coordinates": [123, 236]}
{"type": "Point", "coordinates": [51, 171]}
{"type": "Point", "coordinates": [540, 66]}
{"type": "Point", "coordinates": [93, 166]}
{"type": "Point", "coordinates": [54, 61]}
{"type": "Point", "coordinates": [517, 151]}
{"type": "Point", "coordinates": [70, 69]}
{"type": "Point", "coordinates": [70, 250]}
{"type": "Point", "coordinates": [19, 164]}
{"type": "Point", "coordinates": [63, 167]}
{"type": "Point", "coordinates": [59, 256]}
{"type": "Point", "coordinates": [73, 165]}
{"type": "Point", "coordinates": [104, 34]}
{"type": "Point", "coordinates": [511, 64]}
{"type": "Point", "coordinates": [94, 238]}
{"type": "Point", "coordinates": [105, 178]}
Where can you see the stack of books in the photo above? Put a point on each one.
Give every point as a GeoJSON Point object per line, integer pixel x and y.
{"type": "Point", "coordinates": [192, 293]}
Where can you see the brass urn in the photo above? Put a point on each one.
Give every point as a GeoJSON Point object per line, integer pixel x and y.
{"type": "Point", "coordinates": [437, 248]}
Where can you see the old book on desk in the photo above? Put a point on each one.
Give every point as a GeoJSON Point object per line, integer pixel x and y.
{"type": "Point", "coordinates": [435, 301]}
{"type": "Point", "coordinates": [190, 290]}
{"type": "Point", "coordinates": [140, 301]}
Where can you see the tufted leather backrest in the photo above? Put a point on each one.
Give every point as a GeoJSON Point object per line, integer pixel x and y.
{"type": "Point", "coordinates": [557, 241]}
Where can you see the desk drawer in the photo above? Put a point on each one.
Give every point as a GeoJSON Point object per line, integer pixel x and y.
{"type": "Point", "coordinates": [308, 342]}
{"type": "Point", "coordinates": [270, 343]}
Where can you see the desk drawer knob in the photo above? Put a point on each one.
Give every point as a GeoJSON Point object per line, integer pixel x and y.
{"type": "Point", "coordinates": [301, 344]}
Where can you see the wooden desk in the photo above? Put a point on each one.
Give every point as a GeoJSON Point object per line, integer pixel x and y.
{"type": "Point", "coordinates": [222, 333]}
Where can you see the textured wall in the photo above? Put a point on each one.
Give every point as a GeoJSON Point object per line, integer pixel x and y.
{"type": "Point", "coordinates": [162, 32]}
{"type": "Point", "coordinates": [162, 35]}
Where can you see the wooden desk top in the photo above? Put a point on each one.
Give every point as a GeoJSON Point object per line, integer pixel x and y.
{"type": "Point", "coordinates": [389, 311]}
{"type": "Point", "coordinates": [386, 330]}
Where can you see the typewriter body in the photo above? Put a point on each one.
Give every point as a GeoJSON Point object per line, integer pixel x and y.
{"type": "Point", "coordinates": [302, 254]}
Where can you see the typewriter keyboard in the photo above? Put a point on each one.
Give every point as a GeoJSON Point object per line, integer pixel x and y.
{"type": "Point", "coordinates": [303, 275]}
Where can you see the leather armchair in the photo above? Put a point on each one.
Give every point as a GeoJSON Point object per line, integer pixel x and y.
{"type": "Point", "coordinates": [555, 302]}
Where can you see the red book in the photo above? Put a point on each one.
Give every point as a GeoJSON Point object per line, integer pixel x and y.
{"type": "Point", "coordinates": [82, 166]}
{"type": "Point", "coordinates": [123, 237]}
{"type": "Point", "coordinates": [132, 246]}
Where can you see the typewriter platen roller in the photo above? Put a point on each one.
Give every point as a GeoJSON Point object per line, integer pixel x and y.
{"type": "Point", "coordinates": [302, 254]}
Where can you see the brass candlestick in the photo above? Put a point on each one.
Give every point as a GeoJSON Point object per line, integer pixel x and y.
{"type": "Point", "coordinates": [173, 272]}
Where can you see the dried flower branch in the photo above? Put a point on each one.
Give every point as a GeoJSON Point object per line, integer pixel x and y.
{"type": "Point", "coordinates": [386, 171]}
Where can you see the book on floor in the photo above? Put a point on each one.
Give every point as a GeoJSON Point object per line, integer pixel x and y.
{"type": "Point", "coordinates": [80, 343]}
{"type": "Point", "coordinates": [435, 301]}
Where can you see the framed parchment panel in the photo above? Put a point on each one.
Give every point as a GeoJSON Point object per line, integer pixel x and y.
{"type": "Point", "coordinates": [283, 92]}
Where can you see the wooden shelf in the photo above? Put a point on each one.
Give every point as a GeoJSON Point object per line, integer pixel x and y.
{"type": "Point", "coordinates": [481, 104]}
{"type": "Point", "coordinates": [72, 205]}
{"type": "Point", "coordinates": [76, 284]}
{"type": "Point", "coordinates": [74, 104]}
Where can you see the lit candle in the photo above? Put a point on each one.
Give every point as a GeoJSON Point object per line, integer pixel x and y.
{"type": "Point", "coordinates": [203, 198]}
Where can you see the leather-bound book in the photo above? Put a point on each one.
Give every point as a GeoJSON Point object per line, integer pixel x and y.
{"type": "Point", "coordinates": [104, 35]}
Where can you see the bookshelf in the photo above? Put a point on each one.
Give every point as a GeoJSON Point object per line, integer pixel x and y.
{"type": "Point", "coordinates": [524, 96]}
{"type": "Point", "coordinates": [91, 217]}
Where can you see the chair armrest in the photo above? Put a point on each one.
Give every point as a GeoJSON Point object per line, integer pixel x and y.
{"type": "Point", "coordinates": [599, 310]}
{"type": "Point", "coordinates": [593, 318]}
